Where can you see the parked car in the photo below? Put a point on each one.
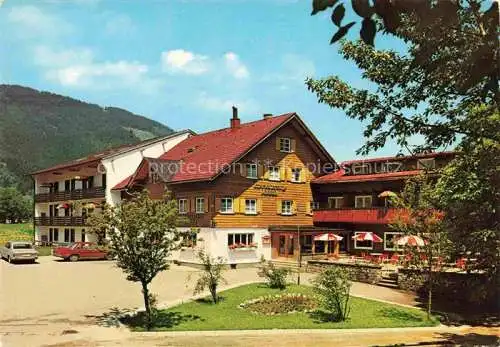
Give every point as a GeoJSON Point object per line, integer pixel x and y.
{"type": "Point", "coordinates": [81, 250]}
{"type": "Point", "coordinates": [15, 251]}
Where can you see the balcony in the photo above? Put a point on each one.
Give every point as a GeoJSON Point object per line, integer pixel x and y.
{"type": "Point", "coordinates": [78, 194]}
{"type": "Point", "coordinates": [374, 215]}
{"type": "Point", "coordinates": [60, 221]}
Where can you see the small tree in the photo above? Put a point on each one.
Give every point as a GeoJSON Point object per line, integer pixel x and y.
{"type": "Point", "coordinates": [334, 287]}
{"type": "Point", "coordinates": [211, 276]}
{"type": "Point", "coordinates": [142, 235]}
{"type": "Point", "coordinates": [100, 224]}
{"type": "Point", "coordinates": [275, 277]}
{"type": "Point", "coordinates": [420, 217]}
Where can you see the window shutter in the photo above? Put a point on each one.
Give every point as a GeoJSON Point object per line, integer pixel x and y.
{"type": "Point", "coordinates": [260, 171]}
{"type": "Point", "coordinates": [259, 205]}
{"type": "Point", "coordinates": [242, 205]}
{"type": "Point", "coordinates": [293, 145]}
{"type": "Point", "coordinates": [266, 173]}
{"type": "Point", "coordinates": [236, 205]}
{"type": "Point", "coordinates": [217, 204]}
{"type": "Point", "coordinates": [278, 143]}
{"type": "Point", "coordinates": [303, 175]}
{"type": "Point", "coordinates": [308, 208]}
{"type": "Point", "coordinates": [193, 204]}
{"type": "Point", "coordinates": [244, 170]}
{"type": "Point", "coordinates": [207, 203]}
{"type": "Point", "coordinates": [278, 206]}
{"type": "Point", "coordinates": [294, 207]}
{"type": "Point", "coordinates": [283, 173]}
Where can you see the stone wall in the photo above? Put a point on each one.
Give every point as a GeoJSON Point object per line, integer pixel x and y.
{"type": "Point", "coordinates": [357, 272]}
{"type": "Point", "coordinates": [457, 288]}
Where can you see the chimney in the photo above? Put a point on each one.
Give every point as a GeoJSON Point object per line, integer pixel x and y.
{"type": "Point", "coordinates": [235, 121]}
{"type": "Point", "coordinates": [267, 115]}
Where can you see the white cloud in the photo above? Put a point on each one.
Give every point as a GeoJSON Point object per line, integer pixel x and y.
{"type": "Point", "coordinates": [30, 21]}
{"type": "Point", "coordinates": [212, 103]}
{"type": "Point", "coordinates": [119, 24]}
{"type": "Point", "coordinates": [236, 68]}
{"type": "Point", "coordinates": [181, 61]}
{"type": "Point", "coordinates": [78, 68]}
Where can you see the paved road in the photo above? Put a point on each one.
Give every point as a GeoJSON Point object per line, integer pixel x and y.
{"type": "Point", "coordinates": [43, 303]}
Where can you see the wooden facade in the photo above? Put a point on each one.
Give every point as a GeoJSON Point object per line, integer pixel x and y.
{"type": "Point", "coordinates": [267, 193]}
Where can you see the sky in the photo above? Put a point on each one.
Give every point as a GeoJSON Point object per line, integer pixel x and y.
{"type": "Point", "coordinates": [184, 63]}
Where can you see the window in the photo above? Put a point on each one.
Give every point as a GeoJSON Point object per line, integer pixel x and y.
{"type": "Point", "coordinates": [72, 235]}
{"type": "Point", "coordinates": [296, 175]}
{"type": "Point", "coordinates": [335, 201]}
{"type": "Point", "coordinates": [226, 205]}
{"type": "Point", "coordinates": [286, 207]}
{"type": "Point", "coordinates": [389, 238]}
{"type": "Point", "coordinates": [274, 173]}
{"type": "Point", "coordinates": [285, 144]}
{"type": "Point", "coordinates": [314, 205]}
{"type": "Point", "coordinates": [240, 239]}
{"type": "Point", "coordinates": [252, 171]}
{"type": "Point", "coordinates": [250, 206]}
{"type": "Point", "coordinates": [104, 181]}
{"type": "Point", "coordinates": [66, 186]}
{"type": "Point", "coordinates": [426, 164]}
{"type": "Point", "coordinates": [363, 201]}
{"type": "Point", "coordinates": [66, 235]}
{"type": "Point", "coordinates": [200, 205]}
{"type": "Point", "coordinates": [183, 206]}
{"type": "Point", "coordinates": [83, 235]}
{"type": "Point", "coordinates": [56, 234]}
{"type": "Point", "coordinates": [51, 235]}
{"type": "Point", "coordinates": [360, 169]}
{"type": "Point", "coordinates": [362, 244]}
{"type": "Point", "coordinates": [306, 242]}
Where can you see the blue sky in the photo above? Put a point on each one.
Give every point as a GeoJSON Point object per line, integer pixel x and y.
{"type": "Point", "coordinates": [183, 63]}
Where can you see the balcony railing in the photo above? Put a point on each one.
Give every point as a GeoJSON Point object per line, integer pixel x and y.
{"type": "Point", "coordinates": [374, 215]}
{"type": "Point", "coordinates": [77, 194]}
{"type": "Point", "coordinates": [60, 221]}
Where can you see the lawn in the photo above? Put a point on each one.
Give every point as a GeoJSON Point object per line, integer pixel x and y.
{"type": "Point", "coordinates": [20, 232]}
{"type": "Point", "coordinates": [16, 232]}
{"type": "Point", "coordinates": [226, 315]}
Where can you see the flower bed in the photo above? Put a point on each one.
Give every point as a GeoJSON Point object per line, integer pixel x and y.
{"type": "Point", "coordinates": [243, 247]}
{"type": "Point", "coordinates": [280, 304]}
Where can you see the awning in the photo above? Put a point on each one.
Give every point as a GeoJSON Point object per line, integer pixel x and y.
{"type": "Point", "coordinates": [410, 240]}
{"type": "Point", "coordinates": [367, 236]}
{"type": "Point", "coordinates": [62, 206]}
{"type": "Point", "coordinates": [327, 237]}
{"type": "Point", "coordinates": [387, 194]}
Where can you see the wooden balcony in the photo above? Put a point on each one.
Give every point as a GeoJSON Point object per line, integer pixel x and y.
{"type": "Point", "coordinates": [374, 215]}
{"type": "Point", "coordinates": [60, 221]}
{"type": "Point", "coordinates": [78, 194]}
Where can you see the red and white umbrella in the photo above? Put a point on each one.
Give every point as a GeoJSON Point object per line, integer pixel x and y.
{"type": "Point", "coordinates": [367, 236]}
{"type": "Point", "coordinates": [410, 240]}
{"type": "Point", "coordinates": [327, 237]}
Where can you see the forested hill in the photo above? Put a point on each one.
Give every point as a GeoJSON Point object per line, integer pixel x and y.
{"type": "Point", "coordinates": [39, 129]}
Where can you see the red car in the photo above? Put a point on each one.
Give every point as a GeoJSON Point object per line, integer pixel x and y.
{"type": "Point", "coordinates": [81, 250]}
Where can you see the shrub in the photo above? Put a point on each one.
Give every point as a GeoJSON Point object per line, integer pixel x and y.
{"type": "Point", "coordinates": [333, 287]}
{"type": "Point", "coordinates": [275, 277]}
{"type": "Point", "coordinates": [211, 276]}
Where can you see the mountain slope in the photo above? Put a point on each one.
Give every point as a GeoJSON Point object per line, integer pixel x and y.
{"type": "Point", "coordinates": [39, 129]}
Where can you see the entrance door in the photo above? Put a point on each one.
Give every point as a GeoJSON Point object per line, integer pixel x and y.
{"type": "Point", "coordinates": [282, 246]}
{"type": "Point", "coordinates": [343, 243]}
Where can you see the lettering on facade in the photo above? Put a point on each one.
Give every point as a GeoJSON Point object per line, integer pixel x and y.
{"type": "Point", "coordinates": [269, 189]}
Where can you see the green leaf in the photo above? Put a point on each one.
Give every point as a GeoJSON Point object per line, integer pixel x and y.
{"type": "Point", "coordinates": [368, 30]}
{"type": "Point", "coordinates": [321, 5]}
{"type": "Point", "coordinates": [338, 14]}
{"type": "Point", "coordinates": [341, 32]}
{"type": "Point", "coordinates": [362, 8]}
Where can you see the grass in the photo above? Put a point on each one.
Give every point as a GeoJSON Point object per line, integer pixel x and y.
{"type": "Point", "coordinates": [203, 315]}
{"type": "Point", "coordinates": [16, 232]}
{"type": "Point", "coordinates": [21, 232]}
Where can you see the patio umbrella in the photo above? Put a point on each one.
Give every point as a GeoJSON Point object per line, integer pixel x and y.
{"type": "Point", "coordinates": [410, 240]}
{"type": "Point", "coordinates": [367, 236]}
{"type": "Point", "coordinates": [328, 237]}
{"type": "Point", "coordinates": [89, 205]}
{"type": "Point", "coordinates": [62, 206]}
{"type": "Point", "coordinates": [387, 194]}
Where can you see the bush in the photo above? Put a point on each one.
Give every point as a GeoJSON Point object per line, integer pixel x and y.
{"type": "Point", "coordinates": [333, 287]}
{"type": "Point", "coordinates": [275, 277]}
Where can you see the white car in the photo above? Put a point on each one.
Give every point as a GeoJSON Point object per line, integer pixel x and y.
{"type": "Point", "coordinates": [18, 251]}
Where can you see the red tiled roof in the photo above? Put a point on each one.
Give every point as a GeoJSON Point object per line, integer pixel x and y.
{"type": "Point", "coordinates": [123, 184]}
{"type": "Point", "coordinates": [219, 148]}
{"type": "Point", "coordinates": [339, 176]}
{"type": "Point", "coordinates": [96, 157]}
{"type": "Point", "coordinates": [406, 157]}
